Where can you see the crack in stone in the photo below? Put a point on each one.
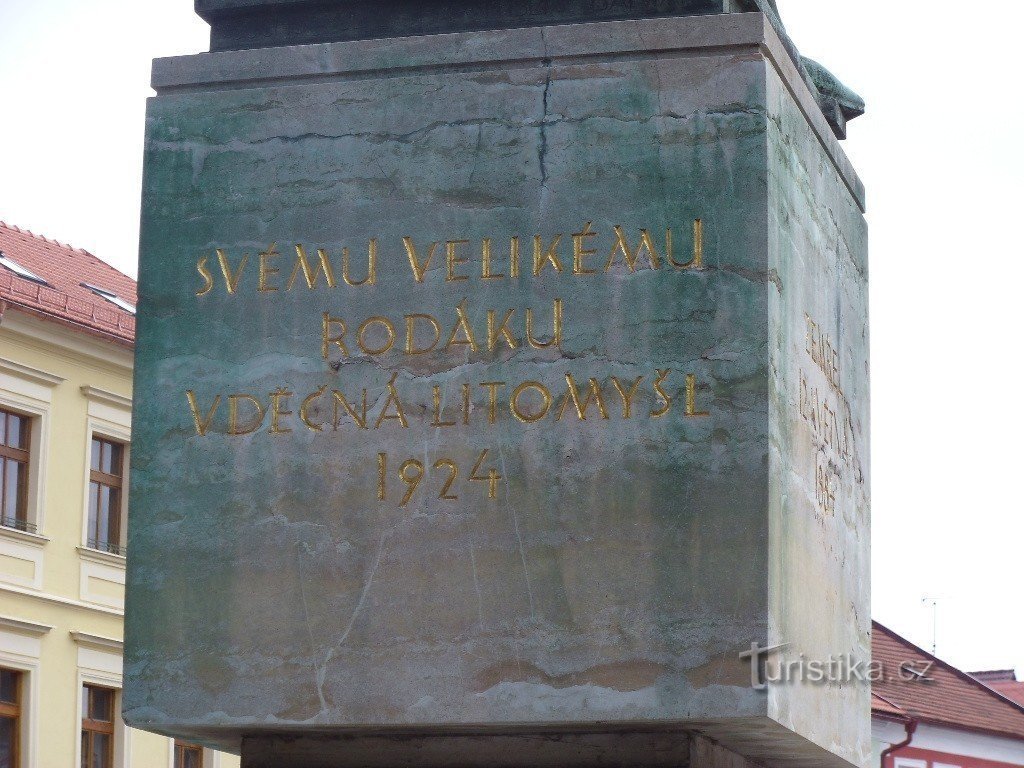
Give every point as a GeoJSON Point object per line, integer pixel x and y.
{"type": "Point", "coordinates": [542, 148]}
{"type": "Point", "coordinates": [206, 147]}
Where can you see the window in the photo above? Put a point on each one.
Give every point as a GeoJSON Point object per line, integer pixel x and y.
{"type": "Point", "coordinates": [97, 727]}
{"type": "Point", "coordinates": [112, 297]}
{"type": "Point", "coordinates": [187, 755]}
{"type": "Point", "coordinates": [19, 270]}
{"type": "Point", "coordinates": [10, 717]}
{"type": "Point", "coordinates": [14, 453]}
{"type": "Point", "coordinates": [906, 762]}
{"type": "Point", "coordinates": [106, 470]}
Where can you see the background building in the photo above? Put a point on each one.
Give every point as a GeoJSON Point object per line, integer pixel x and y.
{"type": "Point", "coordinates": [1003, 681]}
{"type": "Point", "coordinates": [928, 714]}
{"type": "Point", "coordinates": [67, 330]}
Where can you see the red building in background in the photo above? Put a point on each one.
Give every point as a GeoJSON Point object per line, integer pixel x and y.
{"type": "Point", "coordinates": [1003, 681]}
{"type": "Point", "coordinates": [935, 716]}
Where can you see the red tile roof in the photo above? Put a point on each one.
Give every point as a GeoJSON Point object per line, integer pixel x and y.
{"type": "Point", "coordinates": [64, 299]}
{"type": "Point", "coordinates": [1011, 690]}
{"type": "Point", "coordinates": [952, 698]}
{"type": "Point", "coordinates": [995, 676]}
{"type": "Point", "coordinates": [881, 705]}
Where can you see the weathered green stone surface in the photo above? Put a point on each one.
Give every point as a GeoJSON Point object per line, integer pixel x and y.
{"type": "Point", "coordinates": [240, 24]}
{"type": "Point", "coordinates": [623, 563]}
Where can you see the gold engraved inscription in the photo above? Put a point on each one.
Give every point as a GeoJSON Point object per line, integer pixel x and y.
{"type": "Point", "coordinates": [826, 411]}
{"type": "Point", "coordinates": [492, 334]}
{"type": "Point", "coordinates": [317, 268]}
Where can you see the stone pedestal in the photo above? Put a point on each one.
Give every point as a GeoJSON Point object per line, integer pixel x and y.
{"type": "Point", "coordinates": [378, 520]}
{"type": "Point", "coordinates": [242, 24]}
{"type": "Point", "coordinates": [630, 748]}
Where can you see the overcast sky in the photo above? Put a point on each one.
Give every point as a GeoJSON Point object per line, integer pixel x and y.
{"type": "Point", "coordinates": [940, 151]}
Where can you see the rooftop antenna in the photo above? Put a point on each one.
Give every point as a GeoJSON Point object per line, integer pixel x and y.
{"type": "Point", "coordinates": [934, 601]}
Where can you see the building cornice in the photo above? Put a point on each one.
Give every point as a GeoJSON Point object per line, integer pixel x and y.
{"type": "Point", "coordinates": [108, 398]}
{"type": "Point", "coordinates": [49, 598]}
{"type": "Point", "coordinates": [41, 331]}
{"type": "Point", "coordinates": [23, 626]}
{"type": "Point", "coordinates": [98, 642]}
{"type": "Point", "coordinates": [31, 374]}
{"type": "Point", "coordinates": [10, 302]}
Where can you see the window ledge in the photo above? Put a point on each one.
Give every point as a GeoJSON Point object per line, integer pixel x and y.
{"type": "Point", "coordinates": [99, 556]}
{"type": "Point", "coordinates": [17, 535]}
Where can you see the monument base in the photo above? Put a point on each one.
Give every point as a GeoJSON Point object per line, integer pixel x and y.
{"type": "Point", "coordinates": [623, 750]}
{"type": "Point", "coordinates": [751, 742]}
{"type": "Point", "coordinates": [588, 586]}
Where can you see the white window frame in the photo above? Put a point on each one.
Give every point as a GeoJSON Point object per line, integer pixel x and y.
{"type": "Point", "coordinates": [100, 663]}
{"type": "Point", "coordinates": [109, 417]}
{"type": "Point", "coordinates": [105, 430]}
{"type": "Point", "coordinates": [908, 762]}
{"type": "Point", "coordinates": [29, 705]}
{"type": "Point", "coordinates": [211, 757]}
{"type": "Point", "coordinates": [30, 391]}
{"type": "Point", "coordinates": [20, 650]}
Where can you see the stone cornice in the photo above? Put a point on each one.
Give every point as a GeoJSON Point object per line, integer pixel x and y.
{"type": "Point", "coordinates": [60, 600]}
{"type": "Point", "coordinates": [98, 642]}
{"type": "Point", "coordinates": [745, 34]}
{"type": "Point", "coordinates": [87, 347]}
{"type": "Point", "coordinates": [31, 374]}
{"type": "Point", "coordinates": [109, 398]}
{"type": "Point", "coordinates": [23, 626]}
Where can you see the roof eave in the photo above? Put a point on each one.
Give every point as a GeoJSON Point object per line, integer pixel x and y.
{"type": "Point", "coordinates": [123, 341]}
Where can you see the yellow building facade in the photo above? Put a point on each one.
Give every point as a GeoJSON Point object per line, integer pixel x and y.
{"type": "Point", "coordinates": [66, 349]}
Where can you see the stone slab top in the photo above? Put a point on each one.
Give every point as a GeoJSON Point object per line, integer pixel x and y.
{"type": "Point", "coordinates": [535, 8]}
{"type": "Point", "coordinates": [238, 24]}
{"type": "Point", "coordinates": [503, 49]}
